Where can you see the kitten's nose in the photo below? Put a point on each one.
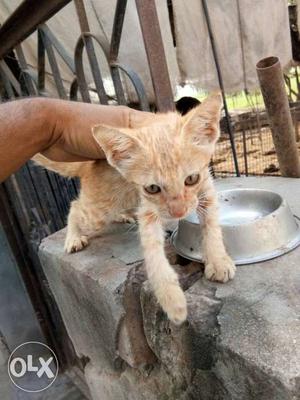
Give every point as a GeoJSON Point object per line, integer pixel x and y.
{"type": "Point", "coordinates": [177, 210]}
{"type": "Point", "coordinates": [177, 214]}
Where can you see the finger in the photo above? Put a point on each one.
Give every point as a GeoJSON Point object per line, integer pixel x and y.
{"type": "Point", "coordinates": [60, 155]}
{"type": "Point", "coordinates": [138, 119]}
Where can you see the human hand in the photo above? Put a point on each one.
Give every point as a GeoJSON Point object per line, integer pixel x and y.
{"type": "Point", "coordinates": [60, 130]}
{"type": "Point", "coordinates": [72, 138]}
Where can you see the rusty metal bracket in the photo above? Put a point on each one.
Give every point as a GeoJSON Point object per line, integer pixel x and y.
{"type": "Point", "coordinates": [24, 20]}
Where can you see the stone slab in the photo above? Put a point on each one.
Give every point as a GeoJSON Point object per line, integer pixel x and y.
{"type": "Point", "coordinates": [260, 326]}
{"type": "Point", "coordinates": [89, 288]}
{"type": "Point", "coordinates": [241, 340]}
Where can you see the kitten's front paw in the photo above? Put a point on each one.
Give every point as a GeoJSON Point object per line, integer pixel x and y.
{"type": "Point", "coordinates": [173, 302]}
{"type": "Point", "coordinates": [75, 243]}
{"type": "Point", "coordinates": [221, 269]}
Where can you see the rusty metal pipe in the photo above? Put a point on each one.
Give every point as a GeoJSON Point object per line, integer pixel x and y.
{"type": "Point", "coordinates": [271, 81]}
{"type": "Point", "coordinates": [155, 54]}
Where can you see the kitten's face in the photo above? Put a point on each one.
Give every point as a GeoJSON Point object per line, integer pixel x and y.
{"type": "Point", "coordinates": [169, 172]}
{"type": "Point", "coordinates": [167, 160]}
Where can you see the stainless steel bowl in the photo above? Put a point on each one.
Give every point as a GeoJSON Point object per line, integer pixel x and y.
{"type": "Point", "coordinates": [257, 225]}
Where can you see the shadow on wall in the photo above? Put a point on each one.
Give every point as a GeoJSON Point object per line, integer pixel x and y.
{"type": "Point", "coordinates": [17, 318]}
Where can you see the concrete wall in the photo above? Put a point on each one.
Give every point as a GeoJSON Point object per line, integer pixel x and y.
{"type": "Point", "coordinates": [241, 340]}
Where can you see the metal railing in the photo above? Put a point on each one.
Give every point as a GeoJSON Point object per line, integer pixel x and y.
{"type": "Point", "coordinates": [48, 45]}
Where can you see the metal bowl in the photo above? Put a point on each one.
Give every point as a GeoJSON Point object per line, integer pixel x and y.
{"type": "Point", "coordinates": [257, 225]}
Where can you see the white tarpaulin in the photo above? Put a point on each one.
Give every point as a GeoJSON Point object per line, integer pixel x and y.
{"type": "Point", "coordinates": [245, 31]}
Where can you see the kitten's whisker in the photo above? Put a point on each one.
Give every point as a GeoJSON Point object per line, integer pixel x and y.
{"type": "Point", "coordinates": [205, 199]}
{"type": "Point", "coordinates": [201, 208]}
{"type": "Point", "coordinates": [133, 209]}
{"type": "Point", "coordinates": [131, 227]}
{"type": "Point", "coordinates": [204, 202]}
{"type": "Point", "coordinates": [202, 196]}
{"type": "Point", "coordinates": [201, 211]}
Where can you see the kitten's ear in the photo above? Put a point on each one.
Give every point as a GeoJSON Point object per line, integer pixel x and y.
{"type": "Point", "coordinates": [201, 124]}
{"type": "Point", "coordinates": [118, 146]}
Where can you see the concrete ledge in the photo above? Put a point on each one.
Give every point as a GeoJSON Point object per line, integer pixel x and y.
{"type": "Point", "coordinates": [241, 340]}
{"type": "Point", "coordinates": [88, 288]}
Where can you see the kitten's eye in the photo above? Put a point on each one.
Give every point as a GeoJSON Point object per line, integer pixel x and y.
{"type": "Point", "coordinates": [152, 189]}
{"type": "Point", "coordinates": [192, 180]}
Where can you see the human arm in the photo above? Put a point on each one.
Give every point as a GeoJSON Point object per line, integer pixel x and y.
{"type": "Point", "coordinates": [60, 129]}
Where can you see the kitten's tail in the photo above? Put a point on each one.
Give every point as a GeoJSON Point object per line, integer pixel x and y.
{"type": "Point", "coordinates": [67, 169]}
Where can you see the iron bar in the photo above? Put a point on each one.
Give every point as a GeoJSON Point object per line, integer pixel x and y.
{"type": "Point", "coordinates": [137, 83]}
{"type": "Point", "coordinates": [84, 26]}
{"type": "Point", "coordinates": [11, 78]}
{"type": "Point", "coordinates": [114, 49]}
{"type": "Point", "coordinates": [7, 85]}
{"type": "Point", "coordinates": [58, 47]}
{"type": "Point", "coordinates": [41, 62]}
{"type": "Point", "coordinates": [31, 89]}
{"type": "Point", "coordinates": [117, 29]}
{"type": "Point", "coordinates": [79, 68]}
{"type": "Point", "coordinates": [73, 95]}
{"type": "Point", "coordinates": [238, 7]}
{"type": "Point", "coordinates": [24, 20]}
{"type": "Point", "coordinates": [221, 84]}
{"type": "Point", "coordinates": [54, 67]}
{"type": "Point", "coordinates": [271, 81]}
{"type": "Point", "coordinates": [116, 78]}
{"type": "Point", "coordinates": [156, 55]}
{"type": "Point", "coordinates": [245, 152]}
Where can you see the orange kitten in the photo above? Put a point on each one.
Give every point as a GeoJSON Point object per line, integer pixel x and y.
{"type": "Point", "coordinates": [162, 170]}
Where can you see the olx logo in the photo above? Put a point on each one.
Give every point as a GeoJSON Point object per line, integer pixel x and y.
{"type": "Point", "coordinates": [33, 367]}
